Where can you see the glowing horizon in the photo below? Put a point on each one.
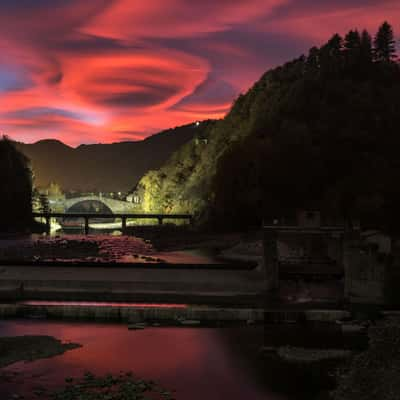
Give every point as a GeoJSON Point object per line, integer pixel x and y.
{"type": "Point", "coordinates": [107, 71]}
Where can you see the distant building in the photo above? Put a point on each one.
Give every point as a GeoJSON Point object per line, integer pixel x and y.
{"type": "Point", "coordinates": [304, 249]}
{"type": "Point", "coordinates": [309, 219]}
{"type": "Point", "coordinates": [372, 274]}
{"type": "Point", "coordinates": [368, 260]}
{"type": "Point", "coordinates": [135, 196]}
{"type": "Point", "coordinates": [382, 241]}
{"type": "Point", "coordinates": [200, 140]}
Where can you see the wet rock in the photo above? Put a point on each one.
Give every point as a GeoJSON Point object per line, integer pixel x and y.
{"type": "Point", "coordinates": [137, 326]}
{"type": "Point", "coordinates": [303, 355]}
{"type": "Point", "coordinates": [190, 322]}
{"type": "Point", "coordinates": [353, 328]}
{"type": "Point", "coordinates": [374, 373]}
{"type": "Point", "coordinates": [122, 386]}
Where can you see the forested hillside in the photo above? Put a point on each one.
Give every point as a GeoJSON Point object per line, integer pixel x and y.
{"type": "Point", "coordinates": [321, 131]}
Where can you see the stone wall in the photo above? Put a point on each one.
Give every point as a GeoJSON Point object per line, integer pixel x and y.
{"type": "Point", "coordinates": [304, 264]}
{"type": "Point", "coordinates": [305, 247]}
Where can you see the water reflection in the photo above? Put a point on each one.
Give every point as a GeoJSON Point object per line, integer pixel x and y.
{"type": "Point", "coordinates": [100, 304]}
{"type": "Point", "coordinates": [197, 363]}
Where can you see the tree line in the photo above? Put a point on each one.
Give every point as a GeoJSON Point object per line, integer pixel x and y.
{"type": "Point", "coordinates": [321, 132]}
{"type": "Point", "coordinates": [357, 53]}
{"type": "Point", "coordinates": [15, 189]}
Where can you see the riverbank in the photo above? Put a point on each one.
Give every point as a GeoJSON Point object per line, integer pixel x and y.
{"type": "Point", "coordinates": [167, 314]}
{"type": "Point", "coordinates": [175, 238]}
{"type": "Point", "coordinates": [142, 244]}
{"type": "Point", "coordinates": [160, 264]}
{"type": "Point", "coordinates": [140, 284]}
{"type": "Point", "coordinates": [375, 373]}
{"type": "Point", "coordinates": [228, 247]}
{"type": "Point", "coordinates": [30, 348]}
{"type": "Point", "coordinates": [74, 249]}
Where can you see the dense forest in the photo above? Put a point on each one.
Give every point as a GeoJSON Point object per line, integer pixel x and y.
{"type": "Point", "coordinates": [320, 132]}
{"type": "Point", "coordinates": [15, 189]}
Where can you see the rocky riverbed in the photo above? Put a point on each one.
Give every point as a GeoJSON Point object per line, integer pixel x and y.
{"type": "Point", "coordinates": [123, 386]}
{"type": "Point", "coordinates": [303, 355]}
{"type": "Point", "coordinates": [231, 246]}
{"type": "Point", "coordinates": [375, 373]}
{"type": "Point", "coordinates": [149, 244]}
{"type": "Point", "coordinates": [77, 248]}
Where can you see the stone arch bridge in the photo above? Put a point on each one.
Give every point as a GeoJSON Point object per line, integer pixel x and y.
{"type": "Point", "coordinates": [115, 206]}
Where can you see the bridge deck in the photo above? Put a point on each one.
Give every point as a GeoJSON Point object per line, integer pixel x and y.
{"type": "Point", "coordinates": [117, 215]}
{"type": "Point", "coordinates": [123, 216]}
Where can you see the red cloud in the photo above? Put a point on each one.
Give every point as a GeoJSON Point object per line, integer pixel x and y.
{"type": "Point", "coordinates": [322, 21]}
{"type": "Point", "coordinates": [102, 71]}
{"type": "Point", "coordinates": [133, 79]}
{"type": "Point", "coordinates": [177, 18]}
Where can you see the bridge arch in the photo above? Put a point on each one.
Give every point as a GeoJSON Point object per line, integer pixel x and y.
{"type": "Point", "coordinates": [115, 206]}
{"type": "Point", "coordinates": [90, 206]}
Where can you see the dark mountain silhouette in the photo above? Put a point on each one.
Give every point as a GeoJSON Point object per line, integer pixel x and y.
{"type": "Point", "coordinates": [104, 167]}
{"type": "Point", "coordinates": [320, 132]}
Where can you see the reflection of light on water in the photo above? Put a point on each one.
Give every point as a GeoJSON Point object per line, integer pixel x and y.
{"type": "Point", "coordinates": [54, 225]}
{"type": "Point", "coordinates": [105, 225]}
{"type": "Point", "coordinates": [195, 363]}
{"type": "Point", "coordinates": [100, 304]}
{"type": "Point", "coordinates": [110, 225]}
{"type": "Point", "coordinates": [188, 257]}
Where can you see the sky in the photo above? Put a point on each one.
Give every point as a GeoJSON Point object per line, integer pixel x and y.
{"type": "Point", "coordinates": [117, 70]}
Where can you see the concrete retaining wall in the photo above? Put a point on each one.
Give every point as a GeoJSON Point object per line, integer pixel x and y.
{"type": "Point", "coordinates": [138, 314]}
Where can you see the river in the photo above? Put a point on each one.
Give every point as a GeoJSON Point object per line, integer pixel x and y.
{"type": "Point", "coordinates": [194, 363]}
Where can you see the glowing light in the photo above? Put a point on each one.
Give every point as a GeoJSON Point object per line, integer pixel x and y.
{"type": "Point", "coordinates": [101, 304]}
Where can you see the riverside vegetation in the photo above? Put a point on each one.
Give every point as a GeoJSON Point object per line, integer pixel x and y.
{"type": "Point", "coordinates": [15, 189]}
{"type": "Point", "coordinates": [318, 132]}
{"type": "Point", "coordinates": [374, 374]}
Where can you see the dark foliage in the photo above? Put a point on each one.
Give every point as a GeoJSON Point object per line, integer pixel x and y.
{"type": "Point", "coordinates": [385, 45]}
{"type": "Point", "coordinates": [15, 189]}
{"type": "Point", "coordinates": [325, 134]}
{"type": "Point", "coordinates": [374, 373]}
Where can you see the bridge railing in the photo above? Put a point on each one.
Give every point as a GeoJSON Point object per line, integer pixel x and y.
{"type": "Point", "coordinates": [123, 216]}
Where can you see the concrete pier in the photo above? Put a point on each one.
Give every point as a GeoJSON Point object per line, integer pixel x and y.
{"type": "Point", "coordinates": [195, 286]}
{"type": "Point", "coordinates": [164, 313]}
